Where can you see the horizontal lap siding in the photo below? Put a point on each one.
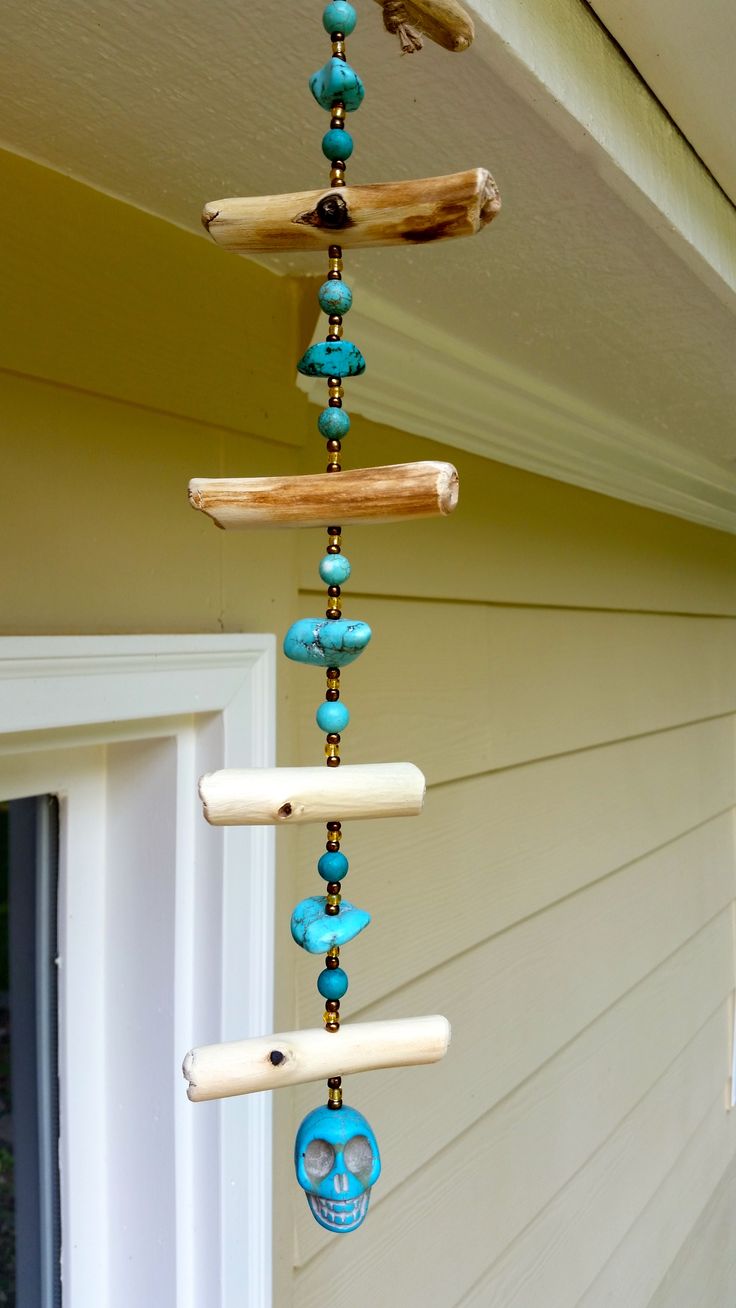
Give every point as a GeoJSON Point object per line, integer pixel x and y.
{"type": "Point", "coordinates": [565, 899]}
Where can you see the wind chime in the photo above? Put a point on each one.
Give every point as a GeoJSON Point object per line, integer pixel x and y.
{"type": "Point", "coordinates": [336, 1153]}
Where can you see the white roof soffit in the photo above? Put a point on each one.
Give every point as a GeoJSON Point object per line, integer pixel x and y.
{"type": "Point", "coordinates": [588, 334]}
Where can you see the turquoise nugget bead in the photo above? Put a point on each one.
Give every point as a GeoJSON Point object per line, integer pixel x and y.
{"type": "Point", "coordinates": [337, 81]}
{"type": "Point", "coordinates": [335, 297]}
{"type": "Point", "coordinates": [333, 424]}
{"type": "Point", "coordinates": [332, 359]}
{"type": "Point", "coordinates": [337, 144]}
{"type": "Point", "coordinates": [316, 932]}
{"type": "Point", "coordinates": [334, 569]}
{"type": "Point", "coordinates": [332, 983]}
{"type": "Point", "coordinates": [326, 643]}
{"type": "Point", "coordinates": [332, 717]}
{"type": "Point", "coordinates": [339, 17]}
{"type": "Point", "coordinates": [333, 867]}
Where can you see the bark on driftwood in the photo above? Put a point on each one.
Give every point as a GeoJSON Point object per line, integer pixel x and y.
{"type": "Point", "coordinates": [444, 21]}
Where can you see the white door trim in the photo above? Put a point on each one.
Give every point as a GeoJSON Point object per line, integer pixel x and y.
{"type": "Point", "coordinates": [63, 702]}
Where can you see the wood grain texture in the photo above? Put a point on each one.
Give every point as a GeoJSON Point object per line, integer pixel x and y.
{"type": "Point", "coordinates": [492, 1166]}
{"type": "Point", "coordinates": [383, 213]}
{"type": "Point", "coordinates": [388, 494]}
{"type": "Point", "coordinates": [522, 839]}
{"type": "Point", "coordinates": [534, 988]}
{"type": "Point", "coordinates": [284, 796]}
{"type": "Point", "coordinates": [271, 1062]}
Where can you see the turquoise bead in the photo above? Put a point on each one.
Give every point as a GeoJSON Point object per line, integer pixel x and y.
{"type": "Point", "coordinates": [335, 297]}
{"type": "Point", "coordinates": [337, 144]}
{"type": "Point", "coordinates": [332, 717]}
{"type": "Point", "coordinates": [315, 931]}
{"type": "Point", "coordinates": [333, 424]}
{"type": "Point", "coordinates": [332, 983]}
{"type": "Point", "coordinates": [337, 81]}
{"type": "Point", "coordinates": [334, 569]}
{"type": "Point", "coordinates": [339, 17]}
{"type": "Point", "coordinates": [332, 359]}
{"type": "Point", "coordinates": [326, 643]}
{"type": "Point", "coordinates": [333, 867]}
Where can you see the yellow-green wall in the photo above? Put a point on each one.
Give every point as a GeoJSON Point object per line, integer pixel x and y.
{"type": "Point", "coordinates": [563, 668]}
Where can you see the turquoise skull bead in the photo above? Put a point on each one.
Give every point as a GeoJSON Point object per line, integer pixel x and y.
{"type": "Point", "coordinates": [337, 1163]}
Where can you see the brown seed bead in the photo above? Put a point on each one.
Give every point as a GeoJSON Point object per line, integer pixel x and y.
{"type": "Point", "coordinates": [335, 1082]}
{"type": "Point", "coordinates": [335, 251]}
{"type": "Point", "coordinates": [333, 467]}
{"type": "Point", "coordinates": [334, 275]}
{"type": "Point", "coordinates": [334, 1106]}
{"type": "Point", "coordinates": [332, 696]}
{"type": "Point", "coordinates": [335, 402]}
{"type": "Point", "coordinates": [332, 1027]}
{"type": "Point", "coordinates": [333, 614]}
{"type": "Point", "coordinates": [334, 447]}
{"type": "Point", "coordinates": [333, 336]}
{"type": "Point", "coordinates": [333, 887]}
{"type": "Point", "coordinates": [337, 179]}
{"type": "Point", "coordinates": [334, 381]}
{"type": "Point", "coordinates": [333, 762]}
{"type": "Point", "coordinates": [334, 592]}
{"type": "Point", "coordinates": [333, 549]}
{"type": "Point", "coordinates": [333, 738]}
{"type": "Point", "coordinates": [335, 320]}
{"type": "Point", "coordinates": [332, 1006]}
{"type": "Point", "coordinates": [331, 963]}
{"type": "Point", "coordinates": [334, 826]}
{"type": "Point", "coordinates": [332, 846]}
{"type": "Point", "coordinates": [332, 910]}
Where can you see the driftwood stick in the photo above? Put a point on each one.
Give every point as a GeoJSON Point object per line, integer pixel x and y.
{"type": "Point", "coordinates": [390, 494]}
{"type": "Point", "coordinates": [270, 1062]}
{"type": "Point", "coordinates": [385, 213]}
{"type": "Point", "coordinates": [443, 21]}
{"type": "Point", "coordinates": [267, 796]}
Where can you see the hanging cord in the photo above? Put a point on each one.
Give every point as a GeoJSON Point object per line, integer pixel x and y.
{"type": "Point", "coordinates": [396, 21]}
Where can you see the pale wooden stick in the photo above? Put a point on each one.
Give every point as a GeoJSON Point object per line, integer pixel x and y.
{"type": "Point", "coordinates": [270, 1062]}
{"type": "Point", "coordinates": [390, 494]}
{"type": "Point", "coordinates": [385, 213]}
{"type": "Point", "coordinates": [443, 21]}
{"type": "Point", "coordinates": [265, 796]}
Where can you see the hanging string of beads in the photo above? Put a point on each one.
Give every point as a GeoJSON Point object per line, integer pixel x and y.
{"type": "Point", "coordinates": [339, 90]}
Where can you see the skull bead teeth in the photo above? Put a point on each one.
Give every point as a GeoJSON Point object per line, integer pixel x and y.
{"type": "Point", "coordinates": [337, 1164]}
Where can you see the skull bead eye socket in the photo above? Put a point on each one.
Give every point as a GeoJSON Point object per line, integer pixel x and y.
{"type": "Point", "coordinates": [358, 1154]}
{"type": "Point", "coordinates": [319, 1159]}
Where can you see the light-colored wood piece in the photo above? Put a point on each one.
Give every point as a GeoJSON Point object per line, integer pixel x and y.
{"type": "Point", "coordinates": [444, 21]}
{"type": "Point", "coordinates": [267, 796]}
{"type": "Point", "coordinates": [291, 1058]}
{"type": "Point", "coordinates": [390, 494]}
{"type": "Point", "coordinates": [383, 213]}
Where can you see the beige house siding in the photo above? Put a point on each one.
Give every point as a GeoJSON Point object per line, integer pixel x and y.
{"type": "Point", "coordinates": [563, 668]}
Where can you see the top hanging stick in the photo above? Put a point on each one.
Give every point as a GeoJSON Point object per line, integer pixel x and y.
{"type": "Point", "coordinates": [444, 21]}
{"type": "Point", "coordinates": [383, 213]}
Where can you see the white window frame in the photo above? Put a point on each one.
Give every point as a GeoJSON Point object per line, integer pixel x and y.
{"type": "Point", "coordinates": [63, 701]}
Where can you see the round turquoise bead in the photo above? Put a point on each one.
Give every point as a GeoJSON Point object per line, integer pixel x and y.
{"type": "Point", "coordinates": [335, 297]}
{"type": "Point", "coordinates": [337, 144]}
{"type": "Point", "coordinates": [332, 983]}
{"type": "Point", "coordinates": [332, 716]}
{"type": "Point", "coordinates": [334, 569]}
{"type": "Point", "coordinates": [333, 424]}
{"type": "Point", "coordinates": [339, 17]}
{"type": "Point", "coordinates": [333, 867]}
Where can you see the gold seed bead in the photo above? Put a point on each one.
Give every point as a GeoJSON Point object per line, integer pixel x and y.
{"type": "Point", "coordinates": [335, 540]}
{"type": "Point", "coordinates": [335, 392]}
{"type": "Point", "coordinates": [338, 49]}
{"type": "Point", "coordinates": [333, 683]}
{"type": "Point", "coordinates": [336, 329]}
{"type": "Point", "coordinates": [334, 899]}
{"type": "Point", "coordinates": [337, 177]}
{"type": "Point", "coordinates": [336, 265]}
{"type": "Point", "coordinates": [332, 751]}
{"type": "Point", "coordinates": [335, 1096]}
{"type": "Point", "coordinates": [338, 111]}
{"type": "Point", "coordinates": [334, 952]}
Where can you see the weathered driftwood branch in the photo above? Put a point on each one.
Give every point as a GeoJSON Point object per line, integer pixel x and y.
{"type": "Point", "coordinates": [266, 796]}
{"type": "Point", "coordinates": [443, 21]}
{"type": "Point", "coordinates": [385, 213]}
{"type": "Point", "coordinates": [270, 1062]}
{"type": "Point", "coordinates": [402, 490]}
